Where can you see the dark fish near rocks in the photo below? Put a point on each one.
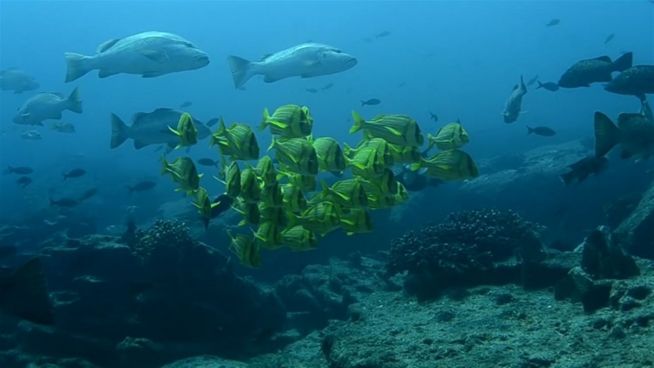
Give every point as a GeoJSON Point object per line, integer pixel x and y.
{"type": "Point", "coordinates": [637, 80]}
{"type": "Point", "coordinates": [64, 202]}
{"type": "Point", "coordinates": [74, 173]}
{"type": "Point", "coordinates": [24, 181]}
{"type": "Point", "coordinates": [88, 194]}
{"type": "Point", "coordinates": [634, 133]}
{"type": "Point", "coordinates": [142, 186]}
{"type": "Point", "coordinates": [513, 104]}
{"type": "Point", "coordinates": [550, 86]}
{"type": "Point", "coordinates": [543, 131]}
{"type": "Point", "coordinates": [20, 170]}
{"type": "Point", "coordinates": [371, 102]}
{"type": "Point", "coordinates": [23, 294]}
{"type": "Point", "coordinates": [433, 116]}
{"type": "Point", "coordinates": [583, 168]}
{"type": "Point", "coordinates": [599, 69]}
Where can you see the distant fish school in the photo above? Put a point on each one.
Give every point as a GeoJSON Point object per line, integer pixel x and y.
{"type": "Point", "coordinates": [281, 198]}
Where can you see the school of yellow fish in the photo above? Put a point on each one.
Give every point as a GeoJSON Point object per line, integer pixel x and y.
{"type": "Point", "coordinates": [281, 199]}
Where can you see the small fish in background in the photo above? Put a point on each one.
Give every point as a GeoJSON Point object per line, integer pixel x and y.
{"type": "Point", "coordinates": [311, 90]}
{"type": "Point", "coordinates": [542, 131]}
{"type": "Point", "coordinates": [327, 86]}
{"type": "Point", "coordinates": [583, 168]}
{"type": "Point", "coordinates": [433, 116]}
{"type": "Point", "coordinates": [64, 202]}
{"type": "Point", "coordinates": [31, 135]}
{"type": "Point", "coordinates": [208, 162]}
{"type": "Point", "coordinates": [585, 72]}
{"type": "Point", "coordinates": [24, 181]}
{"type": "Point", "coordinates": [532, 80]}
{"type": "Point", "coordinates": [142, 186]}
{"type": "Point", "coordinates": [185, 104]}
{"type": "Point", "coordinates": [383, 34]}
{"type": "Point", "coordinates": [48, 105]}
{"type": "Point", "coordinates": [550, 86]}
{"type": "Point", "coordinates": [23, 294]}
{"type": "Point", "coordinates": [74, 173]}
{"type": "Point", "coordinates": [609, 38]}
{"type": "Point", "coordinates": [513, 104]}
{"type": "Point", "coordinates": [401, 84]}
{"type": "Point", "coordinates": [16, 80]}
{"type": "Point", "coordinates": [20, 170]}
{"type": "Point", "coordinates": [370, 102]}
{"type": "Point", "coordinates": [88, 194]}
{"type": "Point", "coordinates": [63, 127]}
{"type": "Point", "coordinates": [553, 22]}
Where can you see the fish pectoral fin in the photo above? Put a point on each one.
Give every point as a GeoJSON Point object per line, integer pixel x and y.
{"type": "Point", "coordinates": [278, 124]}
{"type": "Point", "coordinates": [106, 73]}
{"type": "Point", "coordinates": [174, 131]}
{"type": "Point", "coordinates": [271, 78]}
{"type": "Point", "coordinates": [139, 144]}
{"type": "Point", "coordinates": [155, 55]}
{"type": "Point", "coordinates": [151, 74]}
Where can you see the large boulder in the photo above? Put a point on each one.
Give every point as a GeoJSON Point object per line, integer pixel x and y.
{"type": "Point", "coordinates": [152, 289]}
{"type": "Point", "coordinates": [636, 232]}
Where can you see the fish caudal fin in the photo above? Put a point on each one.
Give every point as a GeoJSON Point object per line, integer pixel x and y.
{"type": "Point", "coordinates": [77, 66]}
{"type": "Point", "coordinates": [358, 122]}
{"type": "Point", "coordinates": [607, 135]}
{"type": "Point", "coordinates": [74, 102]}
{"type": "Point", "coordinates": [623, 62]}
{"type": "Point", "coordinates": [27, 296]}
{"type": "Point", "coordinates": [530, 130]}
{"type": "Point", "coordinates": [119, 131]}
{"type": "Point", "coordinates": [241, 70]}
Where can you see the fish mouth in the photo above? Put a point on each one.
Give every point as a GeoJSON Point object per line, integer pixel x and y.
{"type": "Point", "coordinates": [351, 62]}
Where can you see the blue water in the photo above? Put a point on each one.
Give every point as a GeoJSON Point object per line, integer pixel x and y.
{"type": "Point", "coordinates": [457, 59]}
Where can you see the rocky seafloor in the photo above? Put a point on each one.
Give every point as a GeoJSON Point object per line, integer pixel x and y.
{"type": "Point", "coordinates": [482, 288]}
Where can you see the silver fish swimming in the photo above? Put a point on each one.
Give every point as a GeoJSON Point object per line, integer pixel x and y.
{"type": "Point", "coordinates": [514, 103]}
{"type": "Point", "coordinates": [151, 128]}
{"type": "Point", "coordinates": [149, 54]}
{"type": "Point", "coordinates": [305, 60]}
{"type": "Point", "coordinates": [47, 105]}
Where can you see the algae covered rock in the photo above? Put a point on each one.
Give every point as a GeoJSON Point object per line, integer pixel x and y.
{"type": "Point", "coordinates": [636, 232]}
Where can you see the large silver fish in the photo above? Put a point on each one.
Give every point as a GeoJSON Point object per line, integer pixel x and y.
{"type": "Point", "coordinates": [47, 105]}
{"type": "Point", "coordinates": [17, 80]}
{"type": "Point", "coordinates": [150, 54]}
{"type": "Point", "coordinates": [151, 128]}
{"type": "Point", "coordinates": [514, 102]}
{"type": "Point", "coordinates": [305, 60]}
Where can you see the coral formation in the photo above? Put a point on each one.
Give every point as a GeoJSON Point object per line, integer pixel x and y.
{"type": "Point", "coordinates": [467, 249]}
